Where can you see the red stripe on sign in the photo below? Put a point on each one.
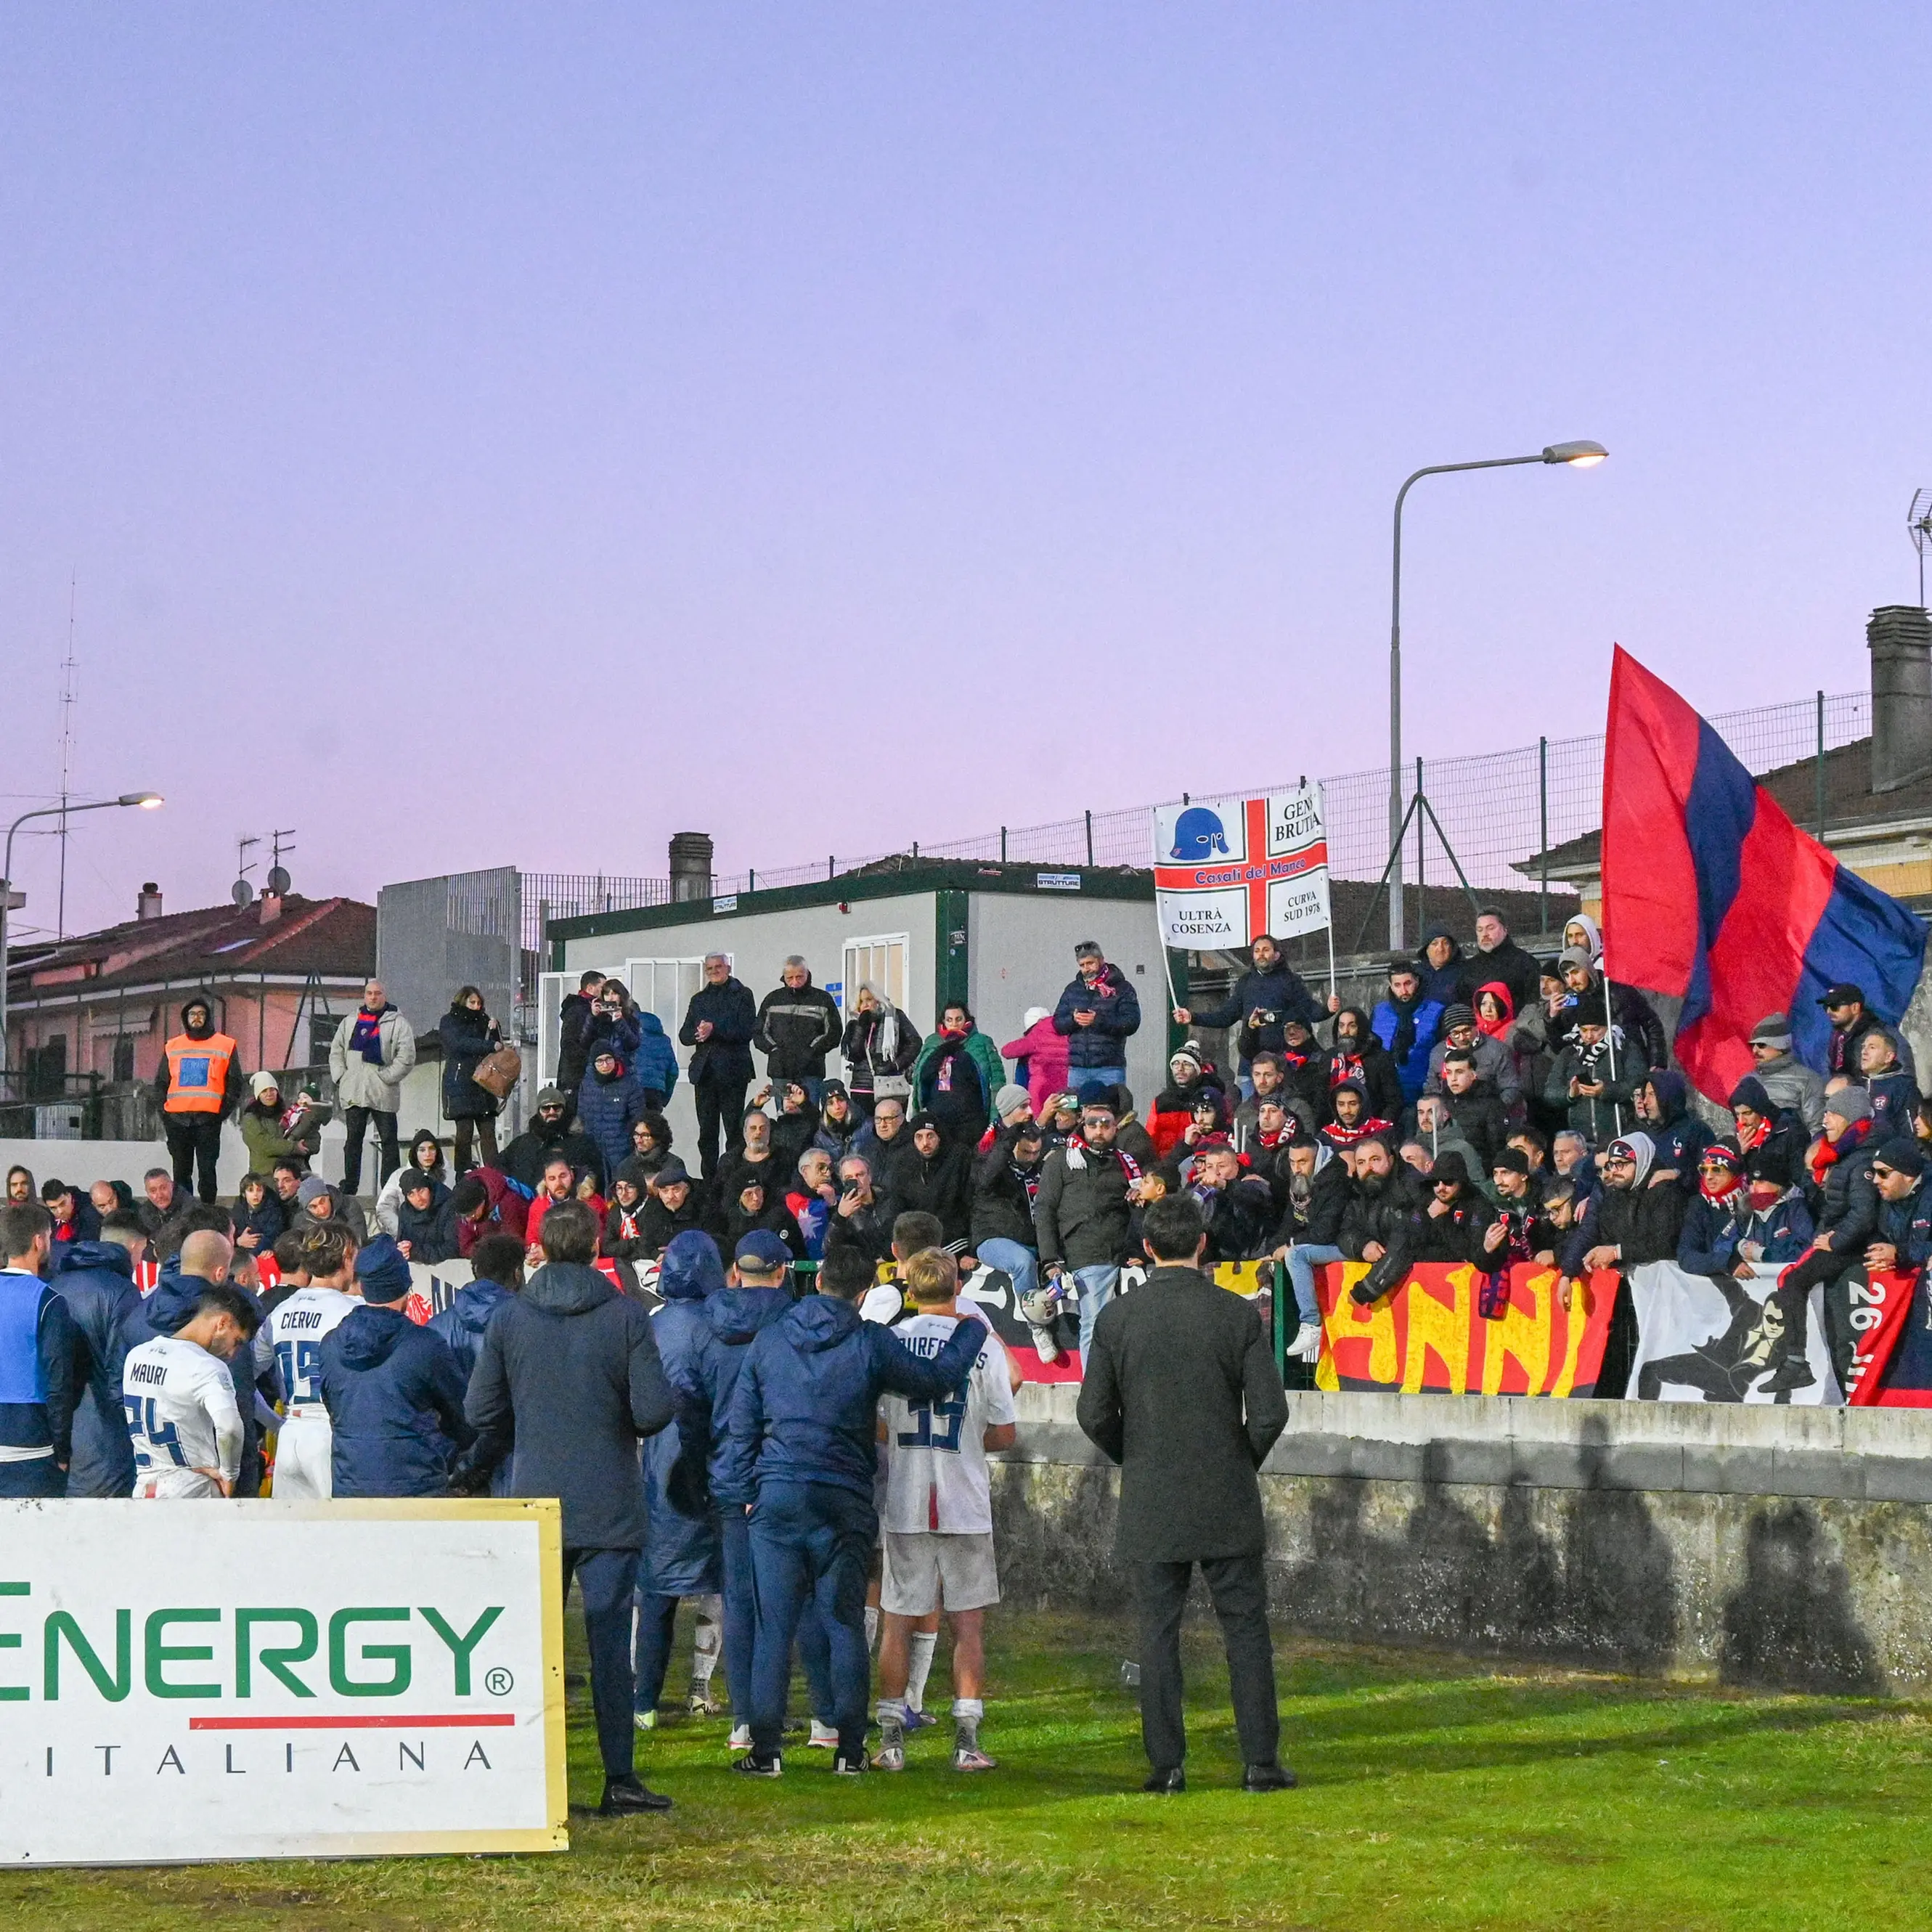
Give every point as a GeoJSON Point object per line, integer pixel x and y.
{"type": "Point", "coordinates": [387, 1721]}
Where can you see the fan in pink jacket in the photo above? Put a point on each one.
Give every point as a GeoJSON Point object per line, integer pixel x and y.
{"type": "Point", "coordinates": [1041, 1055]}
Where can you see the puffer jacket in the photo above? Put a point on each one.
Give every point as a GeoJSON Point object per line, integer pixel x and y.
{"type": "Point", "coordinates": [797, 1027]}
{"type": "Point", "coordinates": [706, 1378]}
{"type": "Point", "coordinates": [608, 1109]}
{"type": "Point", "coordinates": [363, 1083]}
{"type": "Point", "coordinates": [1116, 1008]}
{"type": "Point", "coordinates": [1080, 1212]}
{"type": "Point", "coordinates": [468, 1040]}
{"type": "Point", "coordinates": [394, 1398]}
{"type": "Point", "coordinates": [681, 1553]}
{"type": "Point", "coordinates": [96, 1280]}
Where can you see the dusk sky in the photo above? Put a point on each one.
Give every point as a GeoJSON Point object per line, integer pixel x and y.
{"type": "Point", "coordinates": [491, 435]}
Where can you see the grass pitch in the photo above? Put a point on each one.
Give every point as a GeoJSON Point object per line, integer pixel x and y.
{"type": "Point", "coordinates": [1435, 1793]}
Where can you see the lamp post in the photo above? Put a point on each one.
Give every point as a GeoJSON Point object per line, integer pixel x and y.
{"type": "Point", "coordinates": [146, 800]}
{"type": "Point", "coordinates": [1578, 456]}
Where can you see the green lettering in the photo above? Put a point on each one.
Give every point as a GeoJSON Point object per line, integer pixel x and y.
{"type": "Point", "coordinates": [276, 1657]}
{"type": "Point", "coordinates": [113, 1686]}
{"type": "Point", "coordinates": [12, 1694]}
{"type": "Point", "coordinates": [397, 1655]}
{"type": "Point", "coordinates": [461, 1647]}
{"type": "Point", "coordinates": [160, 1654]}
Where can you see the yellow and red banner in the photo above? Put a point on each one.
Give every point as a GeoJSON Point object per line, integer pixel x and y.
{"type": "Point", "coordinates": [1428, 1338]}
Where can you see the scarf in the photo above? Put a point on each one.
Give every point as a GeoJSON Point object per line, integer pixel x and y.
{"type": "Point", "coordinates": [1829, 1153]}
{"type": "Point", "coordinates": [1403, 1042]}
{"type": "Point", "coordinates": [1724, 1196]}
{"type": "Point", "coordinates": [1750, 1142]}
{"type": "Point", "coordinates": [367, 1039]}
{"type": "Point", "coordinates": [1343, 1065]}
{"type": "Point", "coordinates": [1077, 1151]}
{"type": "Point", "coordinates": [883, 1047]}
{"type": "Point", "coordinates": [1337, 1135]}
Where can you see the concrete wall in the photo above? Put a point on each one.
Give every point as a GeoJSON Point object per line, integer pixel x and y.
{"type": "Point", "coordinates": [1021, 955]}
{"type": "Point", "coordinates": [1762, 1545]}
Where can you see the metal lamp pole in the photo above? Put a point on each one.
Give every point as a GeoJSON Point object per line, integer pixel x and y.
{"type": "Point", "coordinates": [147, 800]}
{"type": "Point", "coordinates": [1578, 456]}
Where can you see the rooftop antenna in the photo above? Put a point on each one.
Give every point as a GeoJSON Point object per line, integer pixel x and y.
{"type": "Point", "coordinates": [1919, 521]}
{"type": "Point", "coordinates": [67, 699]}
{"type": "Point", "coordinates": [241, 892]}
{"type": "Point", "coordinates": [277, 880]}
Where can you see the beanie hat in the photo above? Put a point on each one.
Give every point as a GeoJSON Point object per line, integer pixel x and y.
{"type": "Point", "coordinates": [1189, 1052]}
{"type": "Point", "coordinates": [1773, 1029]}
{"type": "Point", "coordinates": [552, 1096]}
{"type": "Point", "coordinates": [310, 1186]}
{"type": "Point", "coordinates": [1458, 1014]}
{"type": "Point", "coordinates": [381, 1269]}
{"type": "Point", "coordinates": [1010, 1100]}
{"type": "Point", "coordinates": [1511, 1160]}
{"type": "Point", "coordinates": [1850, 1104]}
{"type": "Point", "coordinates": [1099, 1093]}
{"type": "Point", "coordinates": [1903, 1156]}
{"type": "Point", "coordinates": [260, 1084]}
{"type": "Point", "coordinates": [1034, 1014]}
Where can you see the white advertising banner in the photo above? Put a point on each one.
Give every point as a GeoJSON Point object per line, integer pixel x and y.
{"type": "Point", "coordinates": [1704, 1338]}
{"type": "Point", "coordinates": [188, 1681]}
{"type": "Point", "coordinates": [1227, 870]}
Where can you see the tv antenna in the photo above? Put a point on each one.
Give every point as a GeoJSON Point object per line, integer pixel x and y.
{"type": "Point", "coordinates": [241, 892]}
{"type": "Point", "coordinates": [277, 880]}
{"type": "Point", "coordinates": [1919, 521]}
{"type": "Point", "coordinates": [66, 701]}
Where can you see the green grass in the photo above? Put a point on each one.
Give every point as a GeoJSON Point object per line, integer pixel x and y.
{"type": "Point", "coordinates": [1435, 1793]}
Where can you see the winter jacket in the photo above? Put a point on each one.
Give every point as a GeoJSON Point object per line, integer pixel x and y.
{"type": "Point", "coordinates": [1517, 969]}
{"type": "Point", "coordinates": [728, 1221]}
{"type": "Point", "coordinates": [622, 1239]}
{"type": "Point", "coordinates": [1442, 984]}
{"type": "Point", "coordinates": [394, 1398]}
{"type": "Point", "coordinates": [1456, 1236]}
{"type": "Point", "coordinates": [345, 1211]}
{"type": "Point", "coordinates": [1040, 1062]}
{"type": "Point", "coordinates": [461, 1325]}
{"type": "Point", "coordinates": [1312, 1214]}
{"type": "Point", "coordinates": [704, 1378]}
{"type": "Point", "coordinates": [364, 1083]}
{"type": "Point", "coordinates": [658, 1227]}
{"type": "Point", "coordinates": [1380, 1214]}
{"type": "Point", "coordinates": [262, 1135]}
{"type": "Point", "coordinates": [1906, 1225]}
{"type": "Point", "coordinates": [607, 1110]}
{"type": "Point", "coordinates": [869, 1230]}
{"type": "Point", "coordinates": [431, 1232]}
{"type": "Point", "coordinates": [839, 1138]}
{"type": "Point", "coordinates": [941, 1185]}
{"type": "Point", "coordinates": [1081, 1209]}
{"type": "Point", "coordinates": [682, 1558]}
{"type": "Point", "coordinates": [1424, 1019]}
{"type": "Point", "coordinates": [871, 1047]}
{"type": "Point", "coordinates": [1116, 1007]}
{"type": "Point", "coordinates": [1784, 1230]}
{"type": "Point", "coordinates": [1845, 1203]}
{"type": "Point", "coordinates": [573, 1018]}
{"type": "Point", "coordinates": [1477, 1114]}
{"type": "Point", "coordinates": [533, 1221]}
{"type": "Point", "coordinates": [797, 1027]}
{"type": "Point", "coordinates": [468, 1040]}
{"type": "Point", "coordinates": [1495, 1063]}
{"type": "Point", "coordinates": [389, 1196]}
{"type": "Point", "coordinates": [653, 1060]}
{"type": "Point", "coordinates": [509, 1212]}
{"type": "Point", "coordinates": [1643, 1222]}
{"type": "Point", "coordinates": [96, 1280]}
{"type": "Point", "coordinates": [524, 1159]}
{"type": "Point", "coordinates": [724, 1059]}
{"type": "Point", "coordinates": [268, 1223]}
{"type": "Point", "coordinates": [43, 1367]}
{"type": "Point", "coordinates": [1894, 1099]}
{"type": "Point", "coordinates": [927, 1072]}
{"type": "Point", "coordinates": [569, 1373]}
{"type": "Point", "coordinates": [1241, 1219]}
{"type": "Point", "coordinates": [792, 1134]}
{"type": "Point", "coordinates": [1795, 1088]}
{"type": "Point", "coordinates": [807, 1400]}
{"type": "Point", "coordinates": [1280, 992]}
{"type": "Point", "coordinates": [1003, 1198]}
{"type": "Point", "coordinates": [1367, 1061]}
{"type": "Point", "coordinates": [1680, 1136]}
{"type": "Point", "coordinates": [1598, 1117]}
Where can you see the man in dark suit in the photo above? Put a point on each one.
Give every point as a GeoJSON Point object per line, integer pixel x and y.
{"type": "Point", "coordinates": [719, 1024]}
{"type": "Point", "coordinates": [1182, 1392]}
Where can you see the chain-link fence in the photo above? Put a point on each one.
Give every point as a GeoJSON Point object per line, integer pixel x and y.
{"type": "Point", "coordinates": [1498, 809]}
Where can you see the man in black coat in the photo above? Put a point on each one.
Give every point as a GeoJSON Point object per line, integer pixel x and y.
{"type": "Point", "coordinates": [550, 1134]}
{"type": "Point", "coordinates": [1183, 1392]}
{"type": "Point", "coordinates": [569, 1374]}
{"type": "Point", "coordinates": [799, 1023]}
{"type": "Point", "coordinates": [1498, 956]}
{"type": "Point", "coordinates": [1265, 996]}
{"type": "Point", "coordinates": [573, 1054]}
{"type": "Point", "coordinates": [719, 1025]}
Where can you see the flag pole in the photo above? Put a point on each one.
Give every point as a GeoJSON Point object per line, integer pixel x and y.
{"type": "Point", "coordinates": [1610, 1039]}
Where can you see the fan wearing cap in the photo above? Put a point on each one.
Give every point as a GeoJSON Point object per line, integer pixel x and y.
{"type": "Point", "coordinates": [1851, 1020]}
{"type": "Point", "coordinates": [1714, 1223]}
{"type": "Point", "coordinates": [1189, 1073]}
{"type": "Point", "coordinates": [1792, 1086]}
{"type": "Point", "coordinates": [673, 1208]}
{"type": "Point", "coordinates": [1493, 1061]}
{"type": "Point", "coordinates": [1629, 1222]}
{"type": "Point", "coordinates": [1522, 1231]}
{"type": "Point", "coordinates": [1902, 1235]}
{"type": "Point", "coordinates": [393, 1391]}
{"type": "Point", "coordinates": [1455, 1220]}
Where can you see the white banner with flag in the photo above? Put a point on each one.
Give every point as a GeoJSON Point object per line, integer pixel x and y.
{"type": "Point", "coordinates": [1225, 870]}
{"type": "Point", "coordinates": [1706, 1338]}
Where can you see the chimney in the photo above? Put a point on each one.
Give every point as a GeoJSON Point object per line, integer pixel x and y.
{"type": "Point", "coordinates": [1900, 638]}
{"type": "Point", "coordinates": [690, 865]}
{"type": "Point", "coordinates": [148, 905]}
{"type": "Point", "coordinates": [271, 908]}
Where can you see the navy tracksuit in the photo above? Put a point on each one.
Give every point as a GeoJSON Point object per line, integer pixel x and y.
{"type": "Point", "coordinates": [802, 1424]}
{"type": "Point", "coordinates": [395, 1397]}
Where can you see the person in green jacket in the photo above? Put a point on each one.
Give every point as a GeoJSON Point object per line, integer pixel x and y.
{"type": "Point", "coordinates": [957, 1074]}
{"type": "Point", "coordinates": [261, 1124]}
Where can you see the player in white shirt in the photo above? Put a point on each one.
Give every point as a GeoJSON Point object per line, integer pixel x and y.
{"type": "Point", "coordinates": [180, 1400]}
{"type": "Point", "coordinates": [938, 1515]}
{"type": "Point", "coordinates": [291, 1339]}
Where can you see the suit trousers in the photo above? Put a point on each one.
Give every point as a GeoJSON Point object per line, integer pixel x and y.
{"type": "Point", "coordinates": [608, 1579]}
{"type": "Point", "coordinates": [1239, 1588]}
{"type": "Point", "coordinates": [721, 1115]}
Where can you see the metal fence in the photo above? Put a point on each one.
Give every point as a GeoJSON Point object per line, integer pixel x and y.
{"type": "Point", "coordinates": [1494, 807]}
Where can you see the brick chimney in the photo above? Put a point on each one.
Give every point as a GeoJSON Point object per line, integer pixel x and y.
{"type": "Point", "coordinates": [1900, 638]}
{"type": "Point", "coordinates": [690, 865]}
{"type": "Point", "coordinates": [148, 905]}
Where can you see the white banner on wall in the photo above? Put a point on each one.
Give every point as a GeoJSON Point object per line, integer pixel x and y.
{"type": "Point", "coordinates": [1702, 1338]}
{"type": "Point", "coordinates": [189, 1680]}
{"type": "Point", "coordinates": [1225, 870]}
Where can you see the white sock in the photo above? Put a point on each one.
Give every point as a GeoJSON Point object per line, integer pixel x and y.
{"type": "Point", "coordinates": [967, 1713]}
{"type": "Point", "coordinates": [924, 1642]}
{"type": "Point", "coordinates": [707, 1641]}
{"type": "Point", "coordinates": [871, 1626]}
{"type": "Point", "coordinates": [892, 1714]}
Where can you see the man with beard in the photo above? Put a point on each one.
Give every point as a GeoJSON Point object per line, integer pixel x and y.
{"type": "Point", "coordinates": [550, 1134]}
{"type": "Point", "coordinates": [1498, 956]}
{"type": "Point", "coordinates": [1310, 1232]}
{"type": "Point", "coordinates": [198, 1085]}
{"type": "Point", "coordinates": [1376, 1223]}
{"type": "Point", "coordinates": [1455, 1218]}
{"type": "Point", "coordinates": [1358, 1055]}
{"type": "Point", "coordinates": [1264, 999]}
{"type": "Point", "coordinates": [1406, 1022]}
{"type": "Point", "coordinates": [1082, 1209]}
{"type": "Point", "coordinates": [1628, 1223]}
{"type": "Point", "coordinates": [1522, 1231]}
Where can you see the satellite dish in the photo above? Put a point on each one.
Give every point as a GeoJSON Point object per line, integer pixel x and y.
{"type": "Point", "coordinates": [278, 879]}
{"type": "Point", "coordinates": [242, 892]}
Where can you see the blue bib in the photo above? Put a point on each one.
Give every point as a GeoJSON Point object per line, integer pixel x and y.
{"type": "Point", "coordinates": [23, 1378]}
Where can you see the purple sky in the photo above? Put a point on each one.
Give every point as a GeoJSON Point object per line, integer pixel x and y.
{"type": "Point", "coordinates": [509, 435]}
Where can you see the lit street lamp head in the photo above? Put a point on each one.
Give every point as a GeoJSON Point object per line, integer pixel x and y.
{"type": "Point", "coordinates": [1578, 455]}
{"type": "Point", "coordinates": [146, 800]}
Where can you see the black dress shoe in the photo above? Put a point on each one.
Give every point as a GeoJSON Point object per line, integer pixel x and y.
{"type": "Point", "coordinates": [1166, 1782]}
{"type": "Point", "coordinates": [1268, 1777]}
{"type": "Point", "coordinates": [624, 1795]}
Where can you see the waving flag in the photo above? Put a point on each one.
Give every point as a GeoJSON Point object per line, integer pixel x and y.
{"type": "Point", "coordinates": [1710, 892]}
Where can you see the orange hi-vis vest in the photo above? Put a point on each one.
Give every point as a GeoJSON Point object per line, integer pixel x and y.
{"type": "Point", "coordinates": [198, 1073]}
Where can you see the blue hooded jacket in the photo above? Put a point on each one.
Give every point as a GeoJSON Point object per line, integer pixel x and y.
{"type": "Point", "coordinates": [1680, 1136]}
{"type": "Point", "coordinates": [607, 1110]}
{"type": "Point", "coordinates": [96, 1279]}
{"type": "Point", "coordinates": [709, 1378]}
{"type": "Point", "coordinates": [681, 1552]}
{"type": "Point", "coordinates": [395, 1396]}
{"type": "Point", "coordinates": [461, 1325]}
{"type": "Point", "coordinates": [805, 1409]}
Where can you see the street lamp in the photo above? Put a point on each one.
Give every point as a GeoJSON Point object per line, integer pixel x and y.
{"type": "Point", "coordinates": [1582, 455]}
{"type": "Point", "coordinates": [145, 800]}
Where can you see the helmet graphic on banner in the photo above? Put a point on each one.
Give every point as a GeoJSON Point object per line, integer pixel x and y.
{"type": "Point", "coordinates": [1197, 835]}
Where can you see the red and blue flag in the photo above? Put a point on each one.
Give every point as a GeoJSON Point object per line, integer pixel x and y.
{"type": "Point", "coordinates": [1711, 893]}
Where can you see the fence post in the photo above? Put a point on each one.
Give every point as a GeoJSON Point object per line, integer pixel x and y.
{"type": "Point", "coordinates": [1090, 839]}
{"type": "Point", "coordinates": [751, 880]}
{"type": "Point", "coordinates": [1821, 768]}
{"type": "Point", "coordinates": [1003, 844]}
{"type": "Point", "coordinates": [831, 865]}
{"type": "Point", "coordinates": [1421, 856]}
{"type": "Point", "coordinates": [1542, 825]}
{"type": "Point", "coordinates": [915, 848]}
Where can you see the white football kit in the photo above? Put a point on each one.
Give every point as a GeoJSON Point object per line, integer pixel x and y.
{"type": "Point", "coordinates": [181, 1418]}
{"type": "Point", "coordinates": [936, 1452]}
{"type": "Point", "coordinates": [291, 1339]}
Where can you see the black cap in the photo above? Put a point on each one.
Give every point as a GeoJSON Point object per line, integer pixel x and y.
{"type": "Point", "coordinates": [1844, 994]}
{"type": "Point", "coordinates": [1902, 1155]}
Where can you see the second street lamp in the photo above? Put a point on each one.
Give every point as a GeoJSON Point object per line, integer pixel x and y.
{"type": "Point", "coordinates": [1582, 455]}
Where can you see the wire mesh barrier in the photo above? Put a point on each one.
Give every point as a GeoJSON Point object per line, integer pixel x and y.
{"type": "Point", "coordinates": [1493, 806]}
{"type": "Point", "coordinates": [547, 896]}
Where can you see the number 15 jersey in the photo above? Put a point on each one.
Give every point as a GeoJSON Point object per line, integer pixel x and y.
{"type": "Point", "coordinates": [936, 1452]}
